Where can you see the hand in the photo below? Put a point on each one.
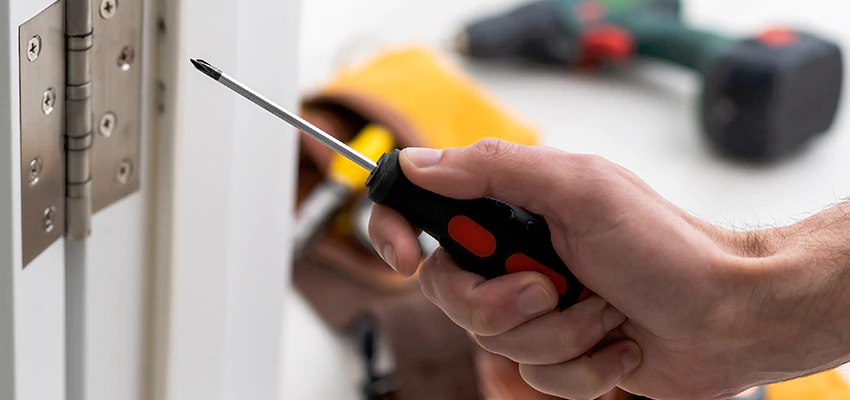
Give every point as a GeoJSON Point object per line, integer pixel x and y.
{"type": "Point", "coordinates": [684, 309]}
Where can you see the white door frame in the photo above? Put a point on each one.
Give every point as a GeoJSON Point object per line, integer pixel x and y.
{"type": "Point", "coordinates": [227, 179]}
{"type": "Point", "coordinates": [177, 294]}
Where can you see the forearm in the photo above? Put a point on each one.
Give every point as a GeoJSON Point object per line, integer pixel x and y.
{"type": "Point", "coordinates": [797, 291]}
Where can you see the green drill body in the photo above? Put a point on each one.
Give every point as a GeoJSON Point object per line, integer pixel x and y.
{"type": "Point", "coordinates": [763, 97]}
{"type": "Point", "coordinates": [554, 32]}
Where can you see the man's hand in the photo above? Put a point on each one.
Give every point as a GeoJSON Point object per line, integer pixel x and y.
{"type": "Point", "coordinates": [684, 309]}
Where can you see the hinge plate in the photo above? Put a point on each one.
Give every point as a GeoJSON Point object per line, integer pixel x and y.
{"type": "Point", "coordinates": [42, 146]}
{"type": "Point", "coordinates": [116, 61]}
{"type": "Point", "coordinates": [117, 96]}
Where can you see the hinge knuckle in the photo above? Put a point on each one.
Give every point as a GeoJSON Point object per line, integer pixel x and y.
{"type": "Point", "coordinates": [76, 124]}
{"type": "Point", "coordinates": [78, 67]}
{"type": "Point", "coordinates": [78, 17]}
{"type": "Point", "coordinates": [78, 166]}
{"type": "Point", "coordinates": [78, 211]}
{"type": "Point", "coordinates": [78, 118]}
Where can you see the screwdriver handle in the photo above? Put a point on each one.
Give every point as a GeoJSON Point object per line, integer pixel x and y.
{"type": "Point", "coordinates": [484, 236]}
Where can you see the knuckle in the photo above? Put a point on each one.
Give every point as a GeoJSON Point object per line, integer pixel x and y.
{"type": "Point", "coordinates": [593, 167]}
{"type": "Point", "coordinates": [494, 148]}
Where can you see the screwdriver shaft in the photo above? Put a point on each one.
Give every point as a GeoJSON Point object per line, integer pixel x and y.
{"type": "Point", "coordinates": [291, 118]}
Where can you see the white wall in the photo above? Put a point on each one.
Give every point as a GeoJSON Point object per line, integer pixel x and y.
{"type": "Point", "coordinates": [233, 172]}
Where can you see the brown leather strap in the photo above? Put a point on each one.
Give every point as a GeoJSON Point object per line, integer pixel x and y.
{"type": "Point", "coordinates": [434, 359]}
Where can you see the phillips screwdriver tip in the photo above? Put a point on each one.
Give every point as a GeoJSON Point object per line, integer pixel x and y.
{"type": "Point", "coordinates": [206, 68]}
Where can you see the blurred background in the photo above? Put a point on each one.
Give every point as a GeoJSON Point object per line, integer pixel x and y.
{"type": "Point", "coordinates": [644, 115]}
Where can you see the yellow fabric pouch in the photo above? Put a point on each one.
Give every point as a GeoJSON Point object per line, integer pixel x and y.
{"type": "Point", "coordinates": [419, 96]}
{"type": "Point", "coordinates": [829, 385]}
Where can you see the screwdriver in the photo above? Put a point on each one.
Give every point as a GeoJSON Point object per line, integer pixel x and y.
{"type": "Point", "coordinates": [484, 236]}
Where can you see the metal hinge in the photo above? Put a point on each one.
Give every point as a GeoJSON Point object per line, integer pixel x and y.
{"type": "Point", "coordinates": [80, 83]}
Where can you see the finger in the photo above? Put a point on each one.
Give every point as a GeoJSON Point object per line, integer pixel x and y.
{"type": "Point", "coordinates": [507, 171]}
{"type": "Point", "coordinates": [587, 377]}
{"type": "Point", "coordinates": [557, 337]}
{"type": "Point", "coordinates": [485, 307]}
{"type": "Point", "coordinates": [394, 240]}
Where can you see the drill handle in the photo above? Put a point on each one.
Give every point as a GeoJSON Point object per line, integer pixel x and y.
{"type": "Point", "coordinates": [667, 38]}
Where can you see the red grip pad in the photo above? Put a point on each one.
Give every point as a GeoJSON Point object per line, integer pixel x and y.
{"type": "Point", "coordinates": [472, 236]}
{"type": "Point", "coordinates": [522, 263]}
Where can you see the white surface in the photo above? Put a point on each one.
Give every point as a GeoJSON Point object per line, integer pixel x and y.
{"type": "Point", "coordinates": [108, 284]}
{"type": "Point", "coordinates": [644, 120]}
{"type": "Point", "coordinates": [232, 169]}
{"type": "Point", "coordinates": [32, 301]}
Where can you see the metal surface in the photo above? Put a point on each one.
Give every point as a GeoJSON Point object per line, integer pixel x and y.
{"type": "Point", "coordinates": [34, 48]}
{"type": "Point", "coordinates": [299, 123]}
{"type": "Point", "coordinates": [78, 118]}
{"type": "Point", "coordinates": [48, 101]}
{"type": "Point", "coordinates": [42, 201]}
{"type": "Point", "coordinates": [323, 203]}
{"type": "Point", "coordinates": [117, 90]}
{"type": "Point", "coordinates": [78, 17]}
{"type": "Point", "coordinates": [107, 124]}
{"type": "Point", "coordinates": [286, 115]}
{"type": "Point", "coordinates": [108, 8]}
{"type": "Point", "coordinates": [36, 166]}
{"type": "Point", "coordinates": [125, 172]}
{"type": "Point", "coordinates": [126, 57]}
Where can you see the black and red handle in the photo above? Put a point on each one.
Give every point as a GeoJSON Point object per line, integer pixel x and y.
{"type": "Point", "coordinates": [484, 236]}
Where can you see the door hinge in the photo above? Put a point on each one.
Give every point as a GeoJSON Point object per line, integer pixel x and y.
{"type": "Point", "coordinates": [81, 107]}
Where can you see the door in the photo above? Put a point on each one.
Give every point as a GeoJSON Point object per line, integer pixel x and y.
{"type": "Point", "coordinates": [177, 291]}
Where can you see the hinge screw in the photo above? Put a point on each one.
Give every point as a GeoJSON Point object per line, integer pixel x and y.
{"type": "Point", "coordinates": [125, 172]}
{"type": "Point", "coordinates": [126, 57]}
{"type": "Point", "coordinates": [48, 101]}
{"type": "Point", "coordinates": [49, 216]}
{"type": "Point", "coordinates": [108, 8]}
{"type": "Point", "coordinates": [36, 167]}
{"type": "Point", "coordinates": [34, 48]}
{"type": "Point", "coordinates": [107, 124]}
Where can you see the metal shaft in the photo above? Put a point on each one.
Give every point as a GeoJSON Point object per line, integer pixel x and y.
{"type": "Point", "coordinates": [299, 123]}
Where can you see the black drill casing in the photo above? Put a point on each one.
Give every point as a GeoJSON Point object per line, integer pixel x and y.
{"type": "Point", "coordinates": [763, 102]}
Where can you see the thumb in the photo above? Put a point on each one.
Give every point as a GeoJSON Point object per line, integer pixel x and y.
{"type": "Point", "coordinates": [537, 179]}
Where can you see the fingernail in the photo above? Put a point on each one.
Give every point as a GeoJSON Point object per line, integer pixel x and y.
{"type": "Point", "coordinates": [611, 318]}
{"type": "Point", "coordinates": [630, 358]}
{"type": "Point", "coordinates": [535, 300]}
{"type": "Point", "coordinates": [388, 254]}
{"type": "Point", "coordinates": [422, 157]}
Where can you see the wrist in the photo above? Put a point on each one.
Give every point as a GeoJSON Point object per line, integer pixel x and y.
{"type": "Point", "coordinates": [788, 301]}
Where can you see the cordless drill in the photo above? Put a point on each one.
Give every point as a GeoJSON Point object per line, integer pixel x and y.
{"type": "Point", "coordinates": [763, 97]}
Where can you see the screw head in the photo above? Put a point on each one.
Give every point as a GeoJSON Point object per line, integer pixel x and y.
{"type": "Point", "coordinates": [34, 48]}
{"type": "Point", "coordinates": [108, 8]}
{"type": "Point", "coordinates": [36, 166]}
{"type": "Point", "coordinates": [47, 222]}
{"type": "Point", "coordinates": [107, 124]}
{"type": "Point", "coordinates": [126, 57]}
{"type": "Point", "coordinates": [48, 101]}
{"type": "Point", "coordinates": [125, 172]}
